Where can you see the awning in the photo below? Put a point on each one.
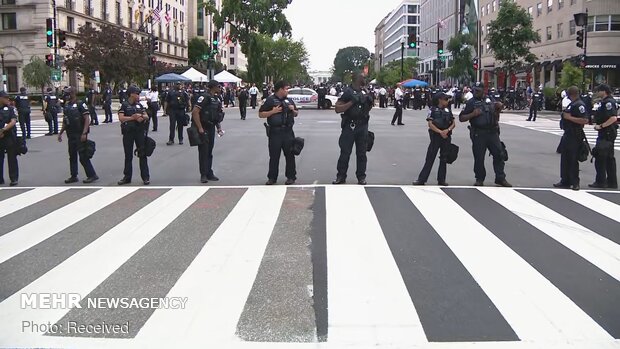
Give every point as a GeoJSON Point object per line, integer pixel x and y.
{"type": "Point", "coordinates": [545, 63]}
{"type": "Point", "coordinates": [171, 77]}
{"type": "Point", "coordinates": [557, 63]}
{"type": "Point", "coordinates": [603, 62]}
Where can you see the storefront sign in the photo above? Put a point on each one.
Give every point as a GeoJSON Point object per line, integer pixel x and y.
{"type": "Point", "coordinates": [602, 66]}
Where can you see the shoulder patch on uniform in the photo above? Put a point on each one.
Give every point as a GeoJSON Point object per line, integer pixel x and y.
{"type": "Point", "coordinates": [6, 108]}
{"type": "Point", "coordinates": [609, 106]}
{"type": "Point", "coordinates": [488, 100]}
{"type": "Point", "coordinates": [84, 105]}
{"type": "Point", "coordinates": [582, 109]}
{"type": "Point", "coordinates": [200, 99]}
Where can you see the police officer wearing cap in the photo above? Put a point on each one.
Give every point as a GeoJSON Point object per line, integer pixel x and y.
{"type": "Point", "coordinates": [440, 126]}
{"type": "Point", "coordinates": [535, 105]}
{"type": "Point", "coordinates": [8, 144]}
{"type": "Point", "coordinates": [76, 121]}
{"type": "Point", "coordinates": [280, 113]}
{"type": "Point", "coordinates": [90, 102]}
{"type": "Point", "coordinates": [355, 106]}
{"type": "Point", "coordinates": [207, 116]}
{"type": "Point", "coordinates": [177, 102]}
{"type": "Point", "coordinates": [243, 102]}
{"type": "Point", "coordinates": [22, 103]}
{"type": "Point", "coordinates": [134, 122]}
{"type": "Point", "coordinates": [573, 119]}
{"type": "Point", "coordinates": [51, 109]}
{"type": "Point", "coordinates": [107, 104]}
{"type": "Point", "coordinates": [484, 134]}
{"type": "Point", "coordinates": [605, 118]}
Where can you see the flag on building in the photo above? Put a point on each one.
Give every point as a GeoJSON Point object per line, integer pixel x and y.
{"type": "Point", "coordinates": [136, 14]}
{"type": "Point", "coordinates": [167, 17]}
{"type": "Point", "coordinates": [155, 15]}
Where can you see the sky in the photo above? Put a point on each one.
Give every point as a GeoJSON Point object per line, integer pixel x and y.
{"type": "Point", "coordinates": [325, 26]}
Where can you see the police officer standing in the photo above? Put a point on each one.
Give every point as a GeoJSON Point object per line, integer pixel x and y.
{"type": "Point", "coordinates": [605, 118]}
{"type": "Point", "coordinates": [90, 102]}
{"type": "Point", "coordinates": [355, 107]}
{"type": "Point", "coordinates": [8, 143]}
{"type": "Point", "coordinates": [440, 126]}
{"type": "Point", "coordinates": [134, 121]}
{"type": "Point", "coordinates": [534, 105]}
{"type": "Point", "coordinates": [398, 103]}
{"type": "Point", "coordinates": [22, 103]}
{"type": "Point", "coordinates": [322, 92]}
{"type": "Point", "coordinates": [253, 95]}
{"type": "Point", "coordinates": [573, 117]}
{"type": "Point", "coordinates": [484, 134]}
{"type": "Point", "coordinates": [152, 102]}
{"type": "Point", "coordinates": [51, 109]}
{"type": "Point", "coordinates": [177, 103]}
{"type": "Point", "coordinates": [280, 113]}
{"type": "Point", "coordinates": [75, 122]}
{"type": "Point", "coordinates": [107, 104]}
{"type": "Point", "coordinates": [243, 102]}
{"type": "Point", "coordinates": [206, 116]}
{"type": "Point", "coordinates": [122, 95]}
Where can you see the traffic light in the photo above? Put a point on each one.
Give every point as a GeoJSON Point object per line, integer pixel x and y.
{"type": "Point", "coordinates": [62, 38]}
{"type": "Point", "coordinates": [152, 61]}
{"type": "Point", "coordinates": [475, 63]}
{"type": "Point", "coordinates": [49, 32]}
{"type": "Point", "coordinates": [215, 41]}
{"type": "Point", "coordinates": [580, 34]}
{"type": "Point", "coordinates": [154, 43]}
{"type": "Point", "coordinates": [439, 47]}
{"type": "Point", "coordinates": [49, 60]}
{"type": "Point", "coordinates": [411, 41]}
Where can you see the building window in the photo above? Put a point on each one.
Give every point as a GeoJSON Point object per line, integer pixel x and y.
{"type": "Point", "coordinates": [560, 4]}
{"type": "Point", "coordinates": [571, 27]}
{"type": "Point", "coordinates": [549, 33]}
{"type": "Point", "coordinates": [412, 19]}
{"type": "Point", "coordinates": [530, 11]}
{"type": "Point", "coordinates": [69, 4]}
{"type": "Point", "coordinates": [88, 25]}
{"type": "Point", "coordinates": [200, 29]}
{"type": "Point", "coordinates": [494, 5]}
{"type": "Point", "coordinates": [232, 50]}
{"type": "Point", "coordinates": [9, 21]}
{"type": "Point", "coordinates": [572, 2]}
{"type": "Point", "coordinates": [8, 2]}
{"type": "Point", "coordinates": [549, 6]}
{"type": "Point", "coordinates": [104, 9]}
{"type": "Point", "coordinates": [175, 50]}
{"type": "Point", "coordinates": [602, 23]}
{"type": "Point", "coordinates": [538, 32]}
{"type": "Point", "coordinates": [182, 52]}
{"type": "Point", "coordinates": [119, 20]}
{"type": "Point", "coordinates": [70, 24]}
{"type": "Point", "coordinates": [130, 17]}
{"type": "Point", "coordinates": [231, 61]}
{"type": "Point", "coordinates": [11, 77]}
{"type": "Point", "coordinates": [539, 9]}
{"type": "Point", "coordinates": [615, 23]}
{"type": "Point", "coordinates": [488, 8]}
{"type": "Point", "coordinates": [560, 30]}
{"type": "Point", "coordinates": [168, 49]}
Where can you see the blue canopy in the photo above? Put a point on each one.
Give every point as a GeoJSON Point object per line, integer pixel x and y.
{"type": "Point", "coordinates": [172, 77]}
{"type": "Point", "coordinates": [414, 83]}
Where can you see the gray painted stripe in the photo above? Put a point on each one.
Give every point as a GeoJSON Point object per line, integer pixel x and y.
{"type": "Point", "coordinates": [451, 305]}
{"type": "Point", "coordinates": [156, 267]}
{"type": "Point", "coordinates": [42, 208]}
{"type": "Point", "coordinates": [594, 291]}
{"type": "Point", "coordinates": [319, 263]}
{"type": "Point", "coordinates": [611, 197]}
{"type": "Point", "coordinates": [279, 307]}
{"type": "Point", "coordinates": [578, 213]}
{"type": "Point", "coordinates": [9, 193]}
{"type": "Point", "coordinates": [29, 265]}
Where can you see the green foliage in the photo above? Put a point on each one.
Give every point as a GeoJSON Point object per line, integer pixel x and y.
{"type": "Point", "coordinates": [37, 73]}
{"type": "Point", "coordinates": [196, 48]}
{"type": "Point", "coordinates": [280, 59]}
{"type": "Point", "coordinates": [389, 74]}
{"type": "Point", "coordinates": [462, 69]}
{"type": "Point", "coordinates": [510, 36]}
{"type": "Point", "coordinates": [350, 59]}
{"type": "Point", "coordinates": [571, 76]}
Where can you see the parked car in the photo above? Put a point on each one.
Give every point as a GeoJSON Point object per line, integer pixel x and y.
{"type": "Point", "coordinates": [309, 98]}
{"type": "Point", "coordinates": [143, 98]}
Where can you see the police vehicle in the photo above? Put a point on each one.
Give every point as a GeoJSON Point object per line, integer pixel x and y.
{"type": "Point", "coordinates": [143, 100]}
{"type": "Point", "coordinates": [309, 98]}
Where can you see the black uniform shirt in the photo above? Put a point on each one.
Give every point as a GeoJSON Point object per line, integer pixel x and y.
{"type": "Point", "coordinates": [284, 118]}
{"type": "Point", "coordinates": [211, 110]}
{"type": "Point", "coordinates": [6, 114]}
{"type": "Point", "coordinates": [358, 110]}
{"type": "Point", "coordinates": [576, 109]}
{"type": "Point", "coordinates": [177, 100]}
{"type": "Point", "coordinates": [90, 97]}
{"type": "Point", "coordinates": [129, 109]}
{"type": "Point", "coordinates": [22, 103]}
{"type": "Point", "coordinates": [484, 120]}
{"type": "Point", "coordinates": [51, 101]}
{"type": "Point", "coordinates": [607, 109]}
{"type": "Point", "coordinates": [73, 117]}
{"type": "Point", "coordinates": [442, 118]}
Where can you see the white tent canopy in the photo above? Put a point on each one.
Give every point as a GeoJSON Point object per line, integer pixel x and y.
{"type": "Point", "coordinates": [225, 76]}
{"type": "Point", "coordinates": [195, 75]}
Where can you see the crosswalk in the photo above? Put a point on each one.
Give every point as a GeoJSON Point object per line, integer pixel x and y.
{"type": "Point", "coordinates": [39, 127]}
{"type": "Point", "coordinates": [551, 126]}
{"type": "Point", "coordinates": [309, 266]}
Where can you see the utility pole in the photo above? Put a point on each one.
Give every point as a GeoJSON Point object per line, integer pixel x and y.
{"type": "Point", "coordinates": [402, 59]}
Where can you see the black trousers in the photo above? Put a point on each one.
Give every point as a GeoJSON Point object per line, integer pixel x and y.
{"type": "Point", "coordinates": [437, 143]}
{"type": "Point", "coordinates": [24, 123]}
{"type": "Point", "coordinates": [176, 122]}
{"type": "Point", "coordinates": [8, 145]}
{"type": "Point", "coordinates": [130, 137]}
{"type": "Point", "coordinates": [321, 102]}
{"type": "Point", "coordinates": [253, 101]}
{"type": "Point", "coordinates": [357, 135]}
{"type": "Point", "coordinates": [205, 151]}
{"type": "Point", "coordinates": [94, 120]}
{"type": "Point", "coordinates": [382, 101]}
{"type": "Point", "coordinates": [457, 102]}
{"type": "Point", "coordinates": [53, 123]}
{"type": "Point", "coordinates": [74, 142]}
{"type": "Point", "coordinates": [107, 109]}
{"type": "Point", "coordinates": [153, 108]}
{"type": "Point", "coordinates": [398, 114]}
{"type": "Point", "coordinates": [533, 113]}
{"type": "Point", "coordinates": [405, 102]}
{"type": "Point", "coordinates": [281, 141]}
{"type": "Point", "coordinates": [243, 108]}
{"type": "Point", "coordinates": [481, 141]}
{"type": "Point", "coordinates": [569, 163]}
{"type": "Point", "coordinates": [606, 165]}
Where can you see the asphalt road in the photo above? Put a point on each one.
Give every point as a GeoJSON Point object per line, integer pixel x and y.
{"type": "Point", "coordinates": [241, 155]}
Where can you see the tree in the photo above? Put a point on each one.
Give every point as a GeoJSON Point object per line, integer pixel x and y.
{"type": "Point", "coordinates": [350, 59]}
{"type": "Point", "coordinates": [37, 73]}
{"type": "Point", "coordinates": [389, 74]}
{"type": "Point", "coordinates": [280, 59]}
{"type": "Point", "coordinates": [196, 49]}
{"type": "Point", "coordinates": [117, 54]}
{"type": "Point", "coordinates": [571, 76]}
{"type": "Point", "coordinates": [510, 36]}
{"type": "Point", "coordinates": [462, 69]}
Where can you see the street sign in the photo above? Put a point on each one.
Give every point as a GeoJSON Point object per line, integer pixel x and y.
{"type": "Point", "coordinates": [56, 74]}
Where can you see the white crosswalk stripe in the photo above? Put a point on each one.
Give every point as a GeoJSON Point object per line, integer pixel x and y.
{"type": "Point", "coordinates": [371, 297]}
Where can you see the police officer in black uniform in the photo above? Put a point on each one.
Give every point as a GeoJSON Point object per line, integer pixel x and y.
{"type": "Point", "coordinates": [177, 102]}
{"type": "Point", "coordinates": [243, 102]}
{"type": "Point", "coordinates": [207, 116]}
{"type": "Point", "coordinates": [90, 102]}
{"type": "Point", "coordinates": [22, 103]}
{"type": "Point", "coordinates": [322, 92]}
{"type": "Point", "coordinates": [605, 118]}
{"type": "Point", "coordinates": [355, 106]}
{"type": "Point", "coordinates": [510, 99]}
{"type": "Point", "coordinates": [134, 122]}
{"type": "Point", "coordinates": [51, 109]}
{"type": "Point", "coordinates": [587, 101]}
{"type": "Point", "coordinates": [107, 104]}
{"type": "Point", "coordinates": [484, 134]}
{"type": "Point", "coordinates": [8, 135]}
{"type": "Point", "coordinates": [76, 121]}
{"type": "Point", "coordinates": [535, 105]}
{"type": "Point", "coordinates": [574, 117]}
{"type": "Point", "coordinates": [122, 95]}
{"type": "Point", "coordinates": [280, 113]}
{"type": "Point", "coordinates": [440, 126]}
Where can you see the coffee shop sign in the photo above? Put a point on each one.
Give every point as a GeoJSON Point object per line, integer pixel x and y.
{"type": "Point", "coordinates": [601, 66]}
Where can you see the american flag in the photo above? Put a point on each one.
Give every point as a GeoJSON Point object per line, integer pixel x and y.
{"type": "Point", "coordinates": [167, 17]}
{"type": "Point", "coordinates": [156, 16]}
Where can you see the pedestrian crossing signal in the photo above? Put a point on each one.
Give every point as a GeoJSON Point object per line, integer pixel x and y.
{"type": "Point", "coordinates": [49, 60]}
{"type": "Point", "coordinates": [62, 38]}
{"type": "Point", "coordinates": [440, 47]}
{"type": "Point", "coordinates": [49, 32]}
{"type": "Point", "coordinates": [411, 41]}
{"type": "Point", "coordinates": [215, 41]}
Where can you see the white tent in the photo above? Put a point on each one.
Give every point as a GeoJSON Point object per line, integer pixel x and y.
{"type": "Point", "coordinates": [225, 76]}
{"type": "Point", "coordinates": [195, 75]}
